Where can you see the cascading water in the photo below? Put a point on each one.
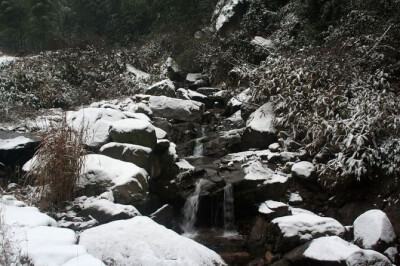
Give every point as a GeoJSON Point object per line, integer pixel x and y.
{"type": "Point", "coordinates": [199, 147]}
{"type": "Point", "coordinates": [229, 215]}
{"type": "Point", "coordinates": [190, 210]}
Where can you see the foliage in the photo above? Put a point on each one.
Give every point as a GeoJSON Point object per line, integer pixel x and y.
{"type": "Point", "coordinates": [57, 165]}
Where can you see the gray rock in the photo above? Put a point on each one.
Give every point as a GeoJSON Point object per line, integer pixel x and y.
{"type": "Point", "coordinates": [173, 70]}
{"type": "Point", "coordinates": [183, 110]}
{"type": "Point", "coordinates": [164, 215]}
{"type": "Point", "coordinates": [162, 88]}
{"type": "Point", "coordinates": [134, 131]}
{"type": "Point", "coordinates": [17, 148]}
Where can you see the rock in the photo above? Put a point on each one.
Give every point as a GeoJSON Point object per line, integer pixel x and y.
{"type": "Point", "coordinates": [304, 170]}
{"type": "Point", "coordinates": [272, 209]}
{"type": "Point", "coordinates": [222, 97]}
{"type": "Point", "coordinates": [291, 231]}
{"type": "Point", "coordinates": [160, 133]}
{"type": "Point", "coordinates": [260, 131]}
{"type": "Point", "coordinates": [164, 216]}
{"type": "Point", "coordinates": [196, 80]}
{"type": "Point", "coordinates": [332, 250]}
{"type": "Point", "coordinates": [295, 198]}
{"type": "Point", "coordinates": [146, 243]}
{"type": "Point", "coordinates": [138, 155]}
{"type": "Point", "coordinates": [95, 123]}
{"type": "Point", "coordinates": [392, 253]}
{"type": "Point", "coordinates": [127, 181]}
{"type": "Point", "coordinates": [139, 116]}
{"type": "Point", "coordinates": [261, 42]}
{"type": "Point", "coordinates": [173, 71]}
{"type": "Point", "coordinates": [144, 109]}
{"type": "Point", "coordinates": [185, 166]}
{"type": "Point", "coordinates": [183, 110]}
{"type": "Point", "coordinates": [134, 131]}
{"type": "Point", "coordinates": [247, 109]}
{"type": "Point", "coordinates": [17, 148]}
{"type": "Point", "coordinates": [381, 237]}
{"type": "Point", "coordinates": [228, 15]}
{"type": "Point", "coordinates": [139, 75]}
{"type": "Point", "coordinates": [274, 147]}
{"type": "Point", "coordinates": [234, 104]}
{"type": "Point", "coordinates": [208, 91]}
{"type": "Point", "coordinates": [105, 211]}
{"type": "Point", "coordinates": [162, 88]}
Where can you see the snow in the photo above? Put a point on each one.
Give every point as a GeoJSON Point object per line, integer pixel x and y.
{"type": "Point", "coordinates": [255, 170]}
{"type": "Point", "coordinates": [160, 133]}
{"type": "Point", "coordinates": [33, 235]}
{"type": "Point", "coordinates": [99, 168]}
{"type": "Point", "coordinates": [6, 59]}
{"type": "Point", "coordinates": [330, 249]}
{"type": "Point", "coordinates": [185, 165]}
{"type": "Point", "coordinates": [95, 122]}
{"type": "Point", "coordinates": [270, 206]}
{"type": "Point", "coordinates": [383, 230]}
{"type": "Point", "coordinates": [14, 143]}
{"type": "Point", "coordinates": [171, 108]}
{"type": "Point", "coordinates": [226, 13]}
{"type": "Point", "coordinates": [262, 119]}
{"type": "Point", "coordinates": [137, 73]}
{"type": "Point", "coordinates": [246, 155]}
{"type": "Point", "coordinates": [368, 257]}
{"type": "Point", "coordinates": [107, 207]}
{"type": "Point", "coordinates": [296, 211]}
{"type": "Point", "coordinates": [308, 226]}
{"type": "Point", "coordinates": [193, 77]}
{"type": "Point", "coordinates": [264, 43]}
{"type": "Point", "coordinates": [84, 260]}
{"type": "Point", "coordinates": [141, 241]}
{"type": "Point", "coordinates": [295, 197]}
{"type": "Point", "coordinates": [303, 169]}
{"type": "Point", "coordinates": [131, 124]}
{"type": "Point", "coordinates": [139, 116]}
{"type": "Point", "coordinates": [391, 253]}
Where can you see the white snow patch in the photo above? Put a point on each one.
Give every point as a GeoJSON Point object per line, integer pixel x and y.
{"type": "Point", "coordinates": [131, 124]}
{"type": "Point", "coordinates": [264, 43]}
{"type": "Point", "coordinates": [270, 206]}
{"type": "Point", "coordinates": [160, 133]}
{"type": "Point", "coordinates": [185, 165]}
{"type": "Point", "coordinates": [295, 197]}
{"type": "Point", "coordinates": [303, 169]}
{"type": "Point", "coordinates": [262, 119]}
{"type": "Point", "coordinates": [137, 73]}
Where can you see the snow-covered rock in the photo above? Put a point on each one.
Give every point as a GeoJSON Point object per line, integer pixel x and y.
{"type": "Point", "coordinates": [127, 181]}
{"type": "Point", "coordinates": [234, 104]}
{"type": "Point", "coordinates": [134, 131]}
{"type": "Point", "coordinates": [373, 230]}
{"type": "Point", "coordinates": [173, 71]}
{"type": "Point", "coordinates": [5, 59]}
{"type": "Point", "coordinates": [185, 166]}
{"type": "Point", "coordinates": [303, 170]}
{"type": "Point", "coordinates": [227, 12]}
{"type": "Point", "coordinates": [164, 215]}
{"type": "Point", "coordinates": [95, 123]}
{"type": "Point", "coordinates": [293, 230]}
{"type": "Point", "coordinates": [260, 131]}
{"type": "Point", "coordinates": [195, 80]}
{"type": "Point", "coordinates": [272, 209]}
{"type": "Point", "coordinates": [183, 110]}
{"type": "Point", "coordinates": [262, 42]}
{"type": "Point", "coordinates": [33, 236]}
{"type": "Point", "coordinates": [136, 154]}
{"type": "Point", "coordinates": [295, 198]}
{"type": "Point", "coordinates": [391, 253]}
{"type": "Point", "coordinates": [139, 116]}
{"type": "Point", "coordinates": [141, 241]}
{"type": "Point", "coordinates": [332, 250]}
{"type": "Point", "coordinates": [160, 133]}
{"type": "Point", "coordinates": [162, 88]}
{"type": "Point", "coordinates": [105, 211]}
{"type": "Point", "coordinates": [139, 75]}
{"type": "Point", "coordinates": [17, 149]}
{"type": "Point", "coordinates": [85, 259]}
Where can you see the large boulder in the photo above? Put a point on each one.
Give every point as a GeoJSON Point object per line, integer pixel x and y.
{"type": "Point", "coordinates": [228, 15]}
{"type": "Point", "coordinates": [138, 155]}
{"type": "Point", "coordinates": [95, 124]}
{"type": "Point", "coordinates": [134, 131]}
{"type": "Point", "coordinates": [127, 181]}
{"type": "Point", "coordinates": [289, 232]}
{"type": "Point", "coordinates": [373, 230]}
{"type": "Point", "coordinates": [260, 131]}
{"type": "Point", "coordinates": [142, 241]}
{"type": "Point", "coordinates": [196, 80]}
{"type": "Point", "coordinates": [164, 88]}
{"type": "Point", "coordinates": [334, 251]}
{"type": "Point", "coordinates": [173, 71]}
{"type": "Point", "coordinates": [17, 148]}
{"type": "Point", "coordinates": [183, 110]}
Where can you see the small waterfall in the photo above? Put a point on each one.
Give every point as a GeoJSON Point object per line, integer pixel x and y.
{"type": "Point", "coordinates": [190, 210]}
{"type": "Point", "coordinates": [229, 215]}
{"type": "Point", "coordinates": [199, 147]}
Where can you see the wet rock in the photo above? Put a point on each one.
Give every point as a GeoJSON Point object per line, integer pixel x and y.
{"type": "Point", "coordinates": [162, 88]}
{"type": "Point", "coordinates": [164, 216]}
{"type": "Point", "coordinates": [260, 131]}
{"type": "Point", "coordinates": [332, 250]}
{"type": "Point", "coordinates": [183, 110]}
{"type": "Point", "coordinates": [380, 237]}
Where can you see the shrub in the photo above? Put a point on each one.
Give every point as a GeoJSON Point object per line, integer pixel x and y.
{"type": "Point", "coordinates": [56, 166]}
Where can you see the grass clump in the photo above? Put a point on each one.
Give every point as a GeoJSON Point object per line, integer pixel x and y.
{"type": "Point", "coordinates": [55, 168]}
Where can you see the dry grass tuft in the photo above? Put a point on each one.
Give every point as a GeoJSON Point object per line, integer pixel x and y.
{"type": "Point", "coordinates": [56, 166]}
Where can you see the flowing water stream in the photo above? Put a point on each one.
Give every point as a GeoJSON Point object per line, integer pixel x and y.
{"type": "Point", "coordinates": [199, 146]}
{"type": "Point", "coordinates": [229, 215]}
{"type": "Point", "coordinates": [190, 210]}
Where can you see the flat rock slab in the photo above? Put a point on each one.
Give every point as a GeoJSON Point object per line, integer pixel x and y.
{"type": "Point", "coordinates": [17, 148]}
